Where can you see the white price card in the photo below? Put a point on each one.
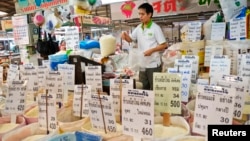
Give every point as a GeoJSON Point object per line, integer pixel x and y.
{"type": "Point", "coordinates": [68, 71]}
{"type": "Point", "coordinates": [212, 51]}
{"type": "Point", "coordinates": [138, 113]}
{"type": "Point", "coordinates": [214, 105]}
{"type": "Point", "coordinates": [42, 72]}
{"type": "Point", "coordinates": [218, 31]}
{"type": "Point", "coordinates": [54, 84]}
{"type": "Point", "coordinates": [72, 38]}
{"type": "Point", "coordinates": [13, 73]}
{"type": "Point", "coordinates": [102, 114]}
{"type": "Point", "coordinates": [185, 81]}
{"type": "Point", "coordinates": [195, 65]}
{"type": "Point", "coordinates": [1, 75]}
{"type": "Point", "coordinates": [93, 75]}
{"type": "Point", "coordinates": [240, 84]}
{"type": "Point", "coordinates": [30, 74]}
{"type": "Point", "coordinates": [219, 66]}
{"type": "Point", "coordinates": [15, 99]}
{"type": "Point", "coordinates": [167, 88]}
{"type": "Point", "coordinates": [194, 31]}
{"type": "Point", "coordinates": [81, 97]}
{"type": "Point", "coordinates": [116, 91]}
{"type": "Point", "coordinates": [47, 118]}
{"type": "Point", "coordinates": [238, 28]}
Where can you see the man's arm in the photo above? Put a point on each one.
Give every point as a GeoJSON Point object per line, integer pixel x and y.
{"type": "Point", "coordinates": [160, 47]}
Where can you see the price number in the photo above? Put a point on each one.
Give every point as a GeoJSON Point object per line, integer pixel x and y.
{"type": "Point", "coordinates": [184, 93]}
{"type": "Point", "coordinates": [20, 107]}
{"type": "Point", "coordinates": [224, 120]}
{"type": "Point", "coordinates": [174, 103]}
{"type": "Point", "coordinates": [147, 131]}
{"type": "Point", "coordinates": [59, 96]}
{"type": "Point", "coordinates": [52, 126]}
{"type": "Point", "coordinates": [237, 113]}
{"type": "Point", "coordinates": [176, 96]}
{"type": "Point", "coordinates": [111, 129]}
{"type": "Point", "coordinates": [147, 122]}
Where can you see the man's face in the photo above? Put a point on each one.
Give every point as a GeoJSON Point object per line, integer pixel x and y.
{"type": "Point", "coordinates": [144, 17]}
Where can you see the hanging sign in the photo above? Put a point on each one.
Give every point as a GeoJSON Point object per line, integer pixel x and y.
{"type": "Point", "coordinates": [30, 6]}
{"type": "Point", "coordinates": [20, 30]}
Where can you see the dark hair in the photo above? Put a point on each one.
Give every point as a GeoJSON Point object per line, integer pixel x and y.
{"type": "Point", "coordinates": [147, 7]}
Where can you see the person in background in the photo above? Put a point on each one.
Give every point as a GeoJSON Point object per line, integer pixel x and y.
{"type": "Point", "coordinates": [151, 42]}
{"type": "Point", "coordinates": [63, 45]}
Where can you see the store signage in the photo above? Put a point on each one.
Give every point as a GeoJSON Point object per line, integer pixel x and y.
{"type": "Point", "coordinates": [210, 51]}
{"type": "Point", "coordinates": [195, 65]}
{"type": "Point", "coordinates": [30, 74]}
{"type": "Point", "coordinates": [167, 88]}
{"type": "Point", "coordinates": [128, 9]}
{"type": "Point", "coordinates": [94, 20]}
{"type": "Point", "coordinates": [20, 30]}
{"type": "Point", "coordinates": [41, 74]}
{"type": "Point", "coordinates": [68, 72]}
{"type": "Point", "coordinates": [238, 28]}
{"type": "Point", "coordinates": [30, 6]}
{"type": "Point", "coordinates": [218, 31]}
{"type": "Point", "coordinates": [72, 38]}
{"type": "Point", "coordinates": [13, 73]}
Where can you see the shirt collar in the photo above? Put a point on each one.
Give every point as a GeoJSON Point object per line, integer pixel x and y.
{"type": "Point", "coordinates": [148, 25]}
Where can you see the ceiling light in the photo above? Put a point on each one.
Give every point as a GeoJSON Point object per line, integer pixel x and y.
{"type": "Point", "coordinates": [3, 13]}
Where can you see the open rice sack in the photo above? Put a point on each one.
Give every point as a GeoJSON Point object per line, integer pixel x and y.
{"type": "Point", "coordinates": [30, 132]}
{"type": "Point", "coordinates": [88, 128]}
{"type": "Point", "coordinates": [72, 126]}
{"type": "Point", "coordinates": [178, 127]}
{"type": "Point", "coordinates": [6, 126]}
{"type": "Point", "coordinates": [189, 138]}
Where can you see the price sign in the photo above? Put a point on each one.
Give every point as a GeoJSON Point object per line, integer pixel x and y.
{"type": "Point", "coordinates": [240, 84]}
{"type": "Point", "coordinates": [41, 74]}
{"type": "Point", "coordinates": [54, 84]}
{"type": "Point", "coordinates": [81, 94]}
{"type": "Point", "coordinates": [68, 71]}
{"type": "Point", "coordinates": [167, 88]}
{"type": "Point", "coordinates": [98, 117]}
{"type": "Point", "coordinates": [13, 73]}
{"type": "Point", "coordinates": [195, 65]}
{"type": "Point", "coordinates": [30, 74]}
{"type": "Point", "coordinates": [15, 100]}
{"type": "Point", "coordinates": [93, 75]}
{"type": "Point", "coordinates": [72, 38]}
{"type": "Point", "coordinates": [185, 81]}
{"type": "Point", "coordinates": [218, 31]}
{"type": "Point", "coordinates": [212, 51]}
{"type": "Point", "coordinates": [244, 67]}
{"type": "Point", "coordinates": [115, 91]}
{"type": "Point", "coordinates": [47, 112]}
{"type": "Point", "coordinates": [219, 66]}
{"type": "Point", "coordinates": [214, 105]}
{"type": "Point", "coordinates": [238, 28]}
{"type": "Point", "coordinates": [194, 31]}
{"type": "Point", "coordinates": [138, 113]}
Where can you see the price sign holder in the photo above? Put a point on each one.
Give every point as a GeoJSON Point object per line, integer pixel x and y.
{"type": "Point", "coordinates": [81, 101]}
{"type": "Point", "coordinates": [120, 87]}
{"type": "Point", "coordinates": [47, 114]}
{"type": "Point", "coordinates": [103, 119]}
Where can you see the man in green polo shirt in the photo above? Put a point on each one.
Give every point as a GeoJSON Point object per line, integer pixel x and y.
{"type": "Point", "coordinates": [151, 41]}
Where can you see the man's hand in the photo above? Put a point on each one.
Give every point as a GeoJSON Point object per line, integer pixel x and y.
{"type": "Point", "coordinates": [148, 52]}
{"type": "Point", "coordinates": [126, 37]}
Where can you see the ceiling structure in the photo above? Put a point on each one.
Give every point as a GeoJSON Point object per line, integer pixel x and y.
{"type": "Point", "coordinates": [7, 6]}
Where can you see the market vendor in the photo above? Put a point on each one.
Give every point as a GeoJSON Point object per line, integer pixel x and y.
{"type": "Point", "coordinates": [151, 41]}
